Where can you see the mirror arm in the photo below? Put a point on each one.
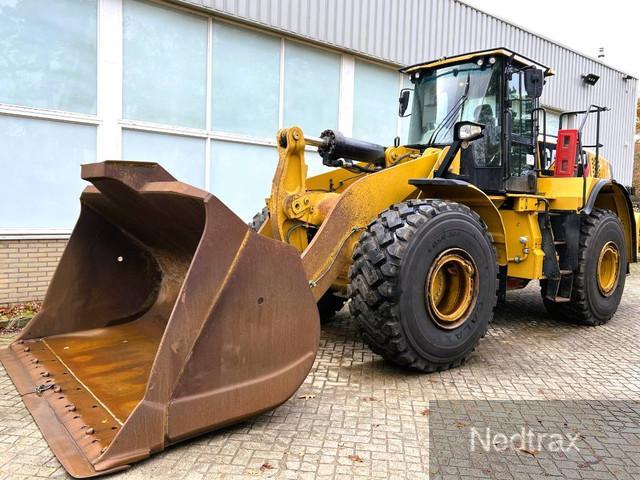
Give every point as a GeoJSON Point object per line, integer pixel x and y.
{"type": "Point", "coordinates": [455, 147]}
{"type": "Point", "coordinates": [448, 159]}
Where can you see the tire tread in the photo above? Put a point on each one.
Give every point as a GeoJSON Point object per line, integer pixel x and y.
{"type": "Point", "coordinates": [577, 310]}
{"type": "Point", "coordinates": [374, 278]}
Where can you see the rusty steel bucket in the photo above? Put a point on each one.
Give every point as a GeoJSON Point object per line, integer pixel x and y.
{"type": "Point", "coordinates": [167, 317]}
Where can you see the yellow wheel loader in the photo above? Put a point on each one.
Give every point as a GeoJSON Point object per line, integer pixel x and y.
{"type": "Point", "coordinates": [169, 317]}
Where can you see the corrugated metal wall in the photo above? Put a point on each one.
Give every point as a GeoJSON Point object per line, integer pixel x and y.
{"type": "Point", "coordinates": [404, 32]}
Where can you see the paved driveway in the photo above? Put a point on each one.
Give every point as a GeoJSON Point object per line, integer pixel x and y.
{"type": "Point", "coordinates": [359, 417]}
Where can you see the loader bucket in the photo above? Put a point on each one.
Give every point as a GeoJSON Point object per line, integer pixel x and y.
{"type": "Point", "coordinates": [167, 317]}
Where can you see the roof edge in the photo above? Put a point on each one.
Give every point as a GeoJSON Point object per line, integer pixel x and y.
{"type": "Point", "coordinates": [453, 59]}
{"type": "Point", "coordinates": [546, 39]}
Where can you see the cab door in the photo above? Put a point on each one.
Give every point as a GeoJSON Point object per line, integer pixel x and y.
{"type": "Point", "coordinates": [521, 126]}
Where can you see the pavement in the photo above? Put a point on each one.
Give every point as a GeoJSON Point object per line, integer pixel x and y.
{"type": "Point", "coordinates": [357, 416]}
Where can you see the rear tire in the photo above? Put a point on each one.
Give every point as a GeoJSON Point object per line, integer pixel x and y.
{"type": "Point", "coordinates": [593, 303]}
{"type": "Point", "coordinates": [393, 268]}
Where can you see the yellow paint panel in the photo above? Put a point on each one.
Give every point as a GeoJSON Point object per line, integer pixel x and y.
{"type": "Point", "coordinates": [525, 260]}
{"type": "Point", "coordinates": [565, 193]}
{"type": "Point", "coordinates": [329, 253]}
{"type": "Point", "coordinates": [477, 201]}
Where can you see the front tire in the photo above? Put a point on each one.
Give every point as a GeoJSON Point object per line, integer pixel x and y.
{"type": "Point", "coordinates": [415, 247]}
{"type": "Point", "coordinates": [598, 283]}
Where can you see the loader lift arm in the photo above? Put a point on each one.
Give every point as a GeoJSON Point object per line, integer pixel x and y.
{"type": "Point", "coordinates": [328, 254]}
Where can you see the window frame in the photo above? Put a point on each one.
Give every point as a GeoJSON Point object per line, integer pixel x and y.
{"type": "Point", "coordinates": [516, 147]}
{"type": "Point", "coordinates": [345, 100]}
{"type": "Point", "coordinates": [109, 112]}
{"type": "Point", "coordinates": [66, 115]}
{"type": "Point", "coordinates": [169, 7]}
{"type": "Point", "coordinates": [109, 118]}
{"type": "Point", "coordinates": [39, 113]}
{"type": "Point", "coordinates": [400, 86]}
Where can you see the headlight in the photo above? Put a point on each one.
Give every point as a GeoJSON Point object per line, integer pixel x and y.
{"type": "Point", "coordinates": [469, 131]}
{"type": "Point", "coordinates": [466, 131]}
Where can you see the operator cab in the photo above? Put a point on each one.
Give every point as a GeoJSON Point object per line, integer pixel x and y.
{"type": "Point", "coordinates": [497, 89]}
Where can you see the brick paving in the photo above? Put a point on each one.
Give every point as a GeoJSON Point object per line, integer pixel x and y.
{"type": "Point", "coordinates": [364, 418]}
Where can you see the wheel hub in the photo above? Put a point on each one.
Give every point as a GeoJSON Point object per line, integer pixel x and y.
{"type": "Point", "coordinates": [608, 268]}
{"type": "Point", "coordinates": [451, 288]}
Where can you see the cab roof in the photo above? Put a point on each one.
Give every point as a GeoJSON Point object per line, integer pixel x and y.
{"type": "Point", "coordinates": [504, 52]}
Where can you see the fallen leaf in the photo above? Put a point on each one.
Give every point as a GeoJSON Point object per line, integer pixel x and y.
{"type": "Point", "coordinates": [459, 425]}
{"type": "Point", "coordinates": [530, 452]}
{"type": "Point", "coordinates": [266, 466]}
{"type": "Point", "coordinates": [306, 396]}
{"type": "Point", "coordinates": [356, 458]}
{"type": "Point", "coordinates": [253, 472]}
{"type": "Point", "coordinates": [426, 412]}
{"type": "Point", "coordinates": [370, 399]}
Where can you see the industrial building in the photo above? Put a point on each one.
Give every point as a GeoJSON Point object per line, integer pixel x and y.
{"type": "Point", "coordinates": [202, 87]}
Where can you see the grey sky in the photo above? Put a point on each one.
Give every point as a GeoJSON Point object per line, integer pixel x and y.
{"type": "Point", "coordinates": [583, 25]}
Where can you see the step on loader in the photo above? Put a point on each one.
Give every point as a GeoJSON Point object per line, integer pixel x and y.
{"type": "Point", "coordinates": [168, 316]}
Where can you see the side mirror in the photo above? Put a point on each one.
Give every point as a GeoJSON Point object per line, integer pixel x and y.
{"type": "Point", "coordinates": [467, 131]}
{"type": "Point", "coordinates": [405, 94]}
{"type": "Point", "coordinates": [533, 82]}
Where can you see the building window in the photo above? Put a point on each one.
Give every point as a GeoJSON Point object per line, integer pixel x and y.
{"type": "Point", "coordinates": [246, 81]}
{"type": "Point", "coordinates": [48, 54]}
{"type": "Point", "coordinates": [203, 97]}
{"type": "Point", "coordinates": [164, 64]}
{"type": "Point", "coordinates": [553, 122]}
{"type": "Point", "coordinates": [255, 165]}
{"type": "Point", "coordinates": [311, 88]}
{"type": "Point", "coordinates": [375, 106]}
{"type": "Point", "coordinates": [41, 159]}
{"type": "Point", "coordinates": [183, 157]}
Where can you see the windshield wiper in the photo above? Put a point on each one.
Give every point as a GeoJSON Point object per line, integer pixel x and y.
{"type": "Point", "coordinates": [452, 113]}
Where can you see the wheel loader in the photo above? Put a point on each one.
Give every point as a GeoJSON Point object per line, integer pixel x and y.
{"type": "Point", "coordinates": [168, 316]}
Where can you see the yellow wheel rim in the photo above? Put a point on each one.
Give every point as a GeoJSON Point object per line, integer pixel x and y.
{"type": "Point", "coordinates": [608, 268]}
{"type": "Point", "coordinates": [451, 288]}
